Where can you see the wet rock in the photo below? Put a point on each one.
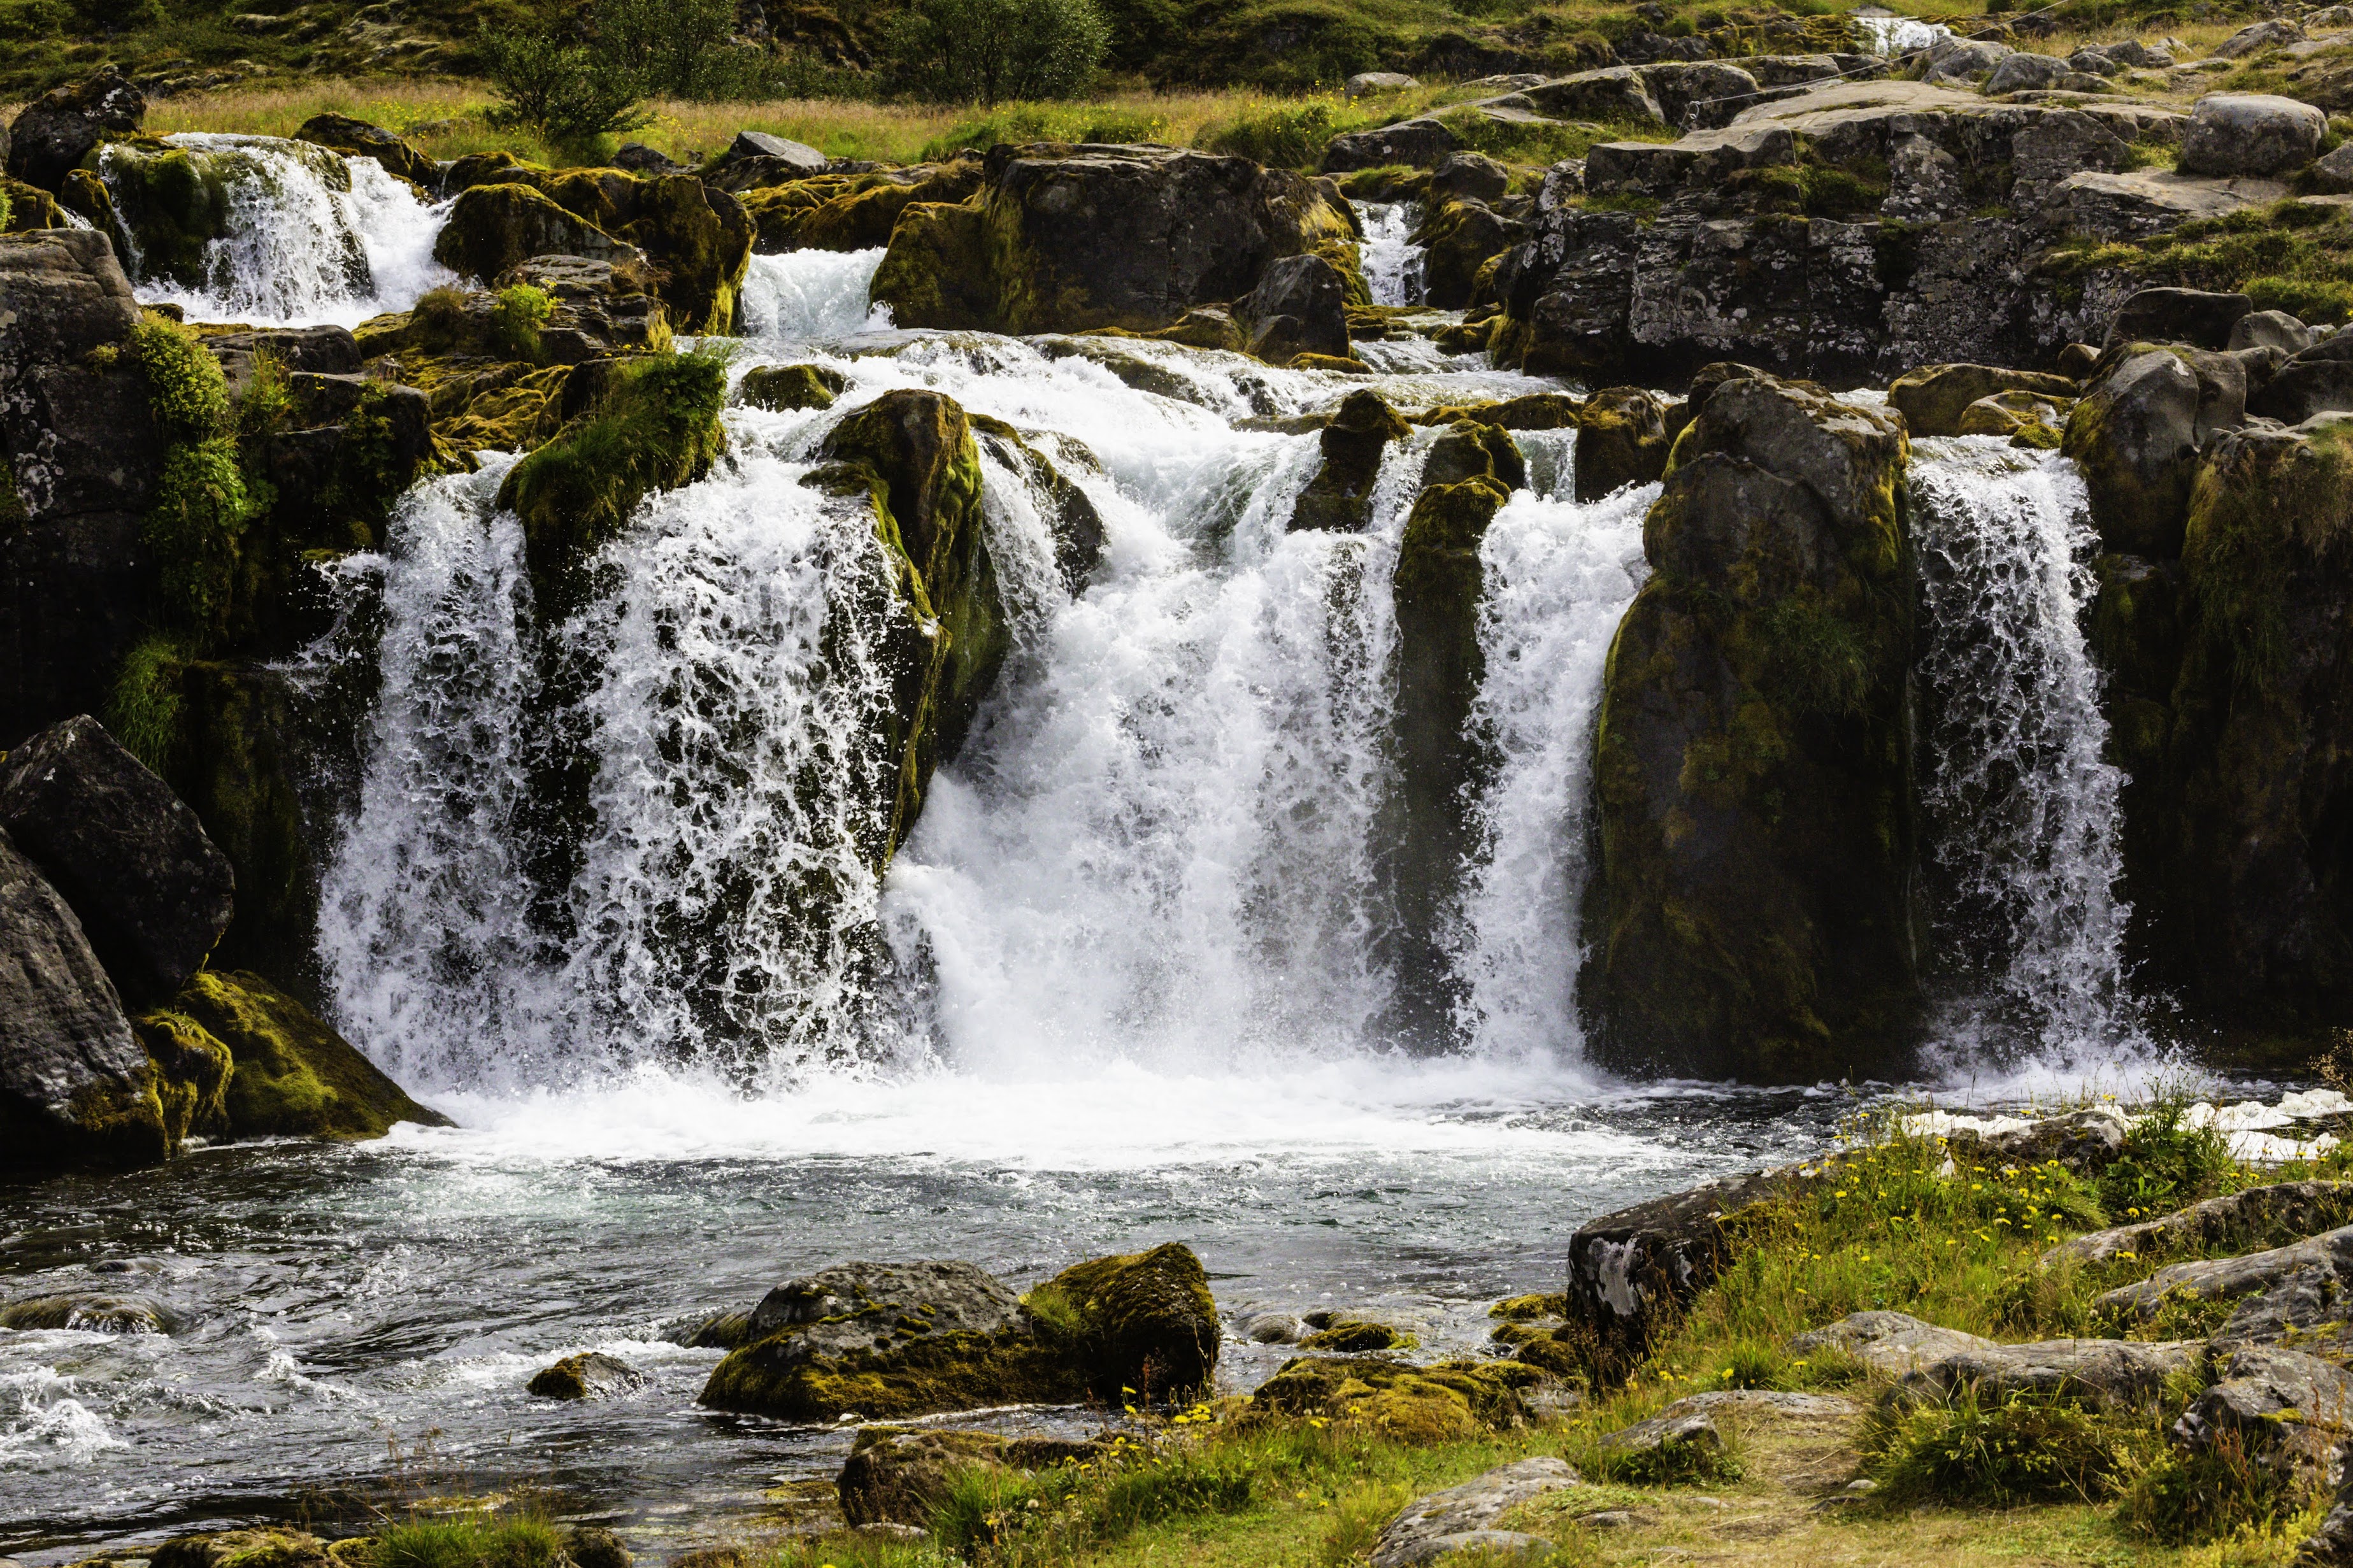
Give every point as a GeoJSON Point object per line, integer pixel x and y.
{"type": "Point", "coordinates": [2249, 133]}
{"type": "Point", "coordinates": [781, 388]}
{"type": "Point", "coordinates": [1270, 1328]}
{"type": "Point", "coordinates": [358, 139]}
{"type": "Point", "coordinates": [295, 1076]}
{"type": "Point", "coordinates": [2289, 1412]}
{"type": "Point", "coordinates": [494, 227]}
{"type": "Point", "coordinates": [1340, 496]}
{"type": "Point", "coordinates": [1077, 526]}
{"type": "Point", "coordinates": [2025, 418]}
{"type": "Point", "coordinates": [1298, 306]}
{"type": "Point", "coordinates": [74, 1084]}
{"type": "Point", "coordinates": [99, 1314]}
{"type": "Point", "coordinates": [899, 1478]}
{"type": "Point", "coordinates": [1461, 1519]}
{"type": "Point", "coordinates": [2136, 434]}
{"type": "Point", "coordinates": [1474, 176]}
{"type": "Point", "coordinates": [1933, 398]}
{"type": "Point", "coordinates": [854, 214]}
{"type": "Point", "coordinates": [243, 1549]}
{"type": "Point", "coordinates": [1892, 1342]}
{"type": "Point", "coordinates": [1356, 1336]}
{"type": "Point", "coordinates": [589, 1547]}
{"type": "Point", "coordinates": [59, 128]}
{"type": "Point", "coordinates": [1622, 439]}
{"type": "Point", "coordinates": [590, 1375]}
{"type": "Point", "coordinates": [1762, 941]}
{"type": "Point", "coordinates": [1445, 1402]}
{"type": "Point", "coordinates": [1631, 1270]}
{"type": "Point", "coordinates": [152, 893]}
{"type": "Point", "coordinates": [2111, 1373]}
{"type": "Point", "coordinates": [2178, 316]}
{"type": "Point", "coordinates": [2305, 1207]}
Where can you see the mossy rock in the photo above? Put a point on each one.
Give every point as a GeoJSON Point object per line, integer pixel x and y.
{"type": "Point", "coordinates": [493, 226]}
{"type": "Point", "coordinates": [91, 1313]}
{"type": "Point", "coordinates": [782, 388]}
{"type": "Point", "coordinates": [1622, 439]}
{"type": "Point", "coordinates": [192, 1074]}
{"type": "Point", "coordinates": [294, 1077]}
{"type": "Point", "coordinates": [1933, 398]}
{"type": "Point", "coordinates": [1527, 1309]}
{"type": "Point", "coordinates": [1452, 1402]}
{"type": "Point", "coordinates": [938, 270]}
{"type": "Point", "coordinates": [243, 1549]}
{"type": "Point", "coordinates": [1145, 1323]}
{"type": "Point", "coordinates": [1459, 239]}
{"type": "Point", "coordinates": [29, 207]}
{"type": "Point", "coordinates": [590, 1375]}
{"type": "Point", "coordinates": [1340, 496]}
{"type": "Point", "coordinates": [1358, 1336]}
{"type": "Point", "coordinates": [172, 200]}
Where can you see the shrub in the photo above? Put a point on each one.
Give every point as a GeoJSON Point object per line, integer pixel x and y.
{"type": "Point", "coordinates": [2019, 1448]}
{"type": "Point", "coordinates": [567, 92]}
{"type": "Point", "coordinates": [267, 400]}
{"type": "Point", "coordinates": [2167, 1164]}
{"type": "Point", "coordinates": [517, 318]}
{"type": "Point", "coordinates": [143, 711]}
{"type": "Point", "coordinates": [984, 51]}
{"type": "Point", "coordinates": [186, 389]}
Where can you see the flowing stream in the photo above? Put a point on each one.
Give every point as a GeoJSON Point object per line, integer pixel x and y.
{"type": "Point", "coordinates": [1123, 984]}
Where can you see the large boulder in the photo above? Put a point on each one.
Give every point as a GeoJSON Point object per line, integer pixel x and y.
{"type": "Point", "coordinates": [1064, 238]}
{"type": "Point", "coordinates": [1462, 1517]}
{"type": "Point", "coordinates": [2288, 1412]}
{"type": "Point", "coordinates": [2136, 433]}
{"type": "Point", "coordinates": [1634, 1271]}
{"type": "Point", "coordinates": [2317, 379]}
{"type": "Point", "coordinates": [908, 1339]}
{"type": "Point", "coordinates": [1750, 914]}
{"type": "Point", "coordinates": [1459, 236]}
{"type": "Point", "coordinates": [293, 1076]}
{"type": "Point", "coordinates": [74, 1084]}
{"type": "Point", "coordinates": [2249, 133]}
{"type": "Point", "coordinates": [2111, 1373]}
{"type": "Point", "coordinates": [1613, 95]}
{"type": "Point", "coordinates": [1423, 143]}
{"type": "Point", "coordinates": [2302, 1208]}
{"type": "Point", "coordinates": [152, 892]}
{"type": "Point", "coordinates": [1448, 1402]}
{"type": "Point", "coordinates": [1622, 439]}
{"type": "Point", "coordinates": [2197, 317]}
{"type": "Point", "coordinates": [2295, 1293]}
{"type": "Point", "coordinates": [493, 226]}
{"type": "Point", "coordinates": [58, 130]}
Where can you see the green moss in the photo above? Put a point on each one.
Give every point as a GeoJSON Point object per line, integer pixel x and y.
{"type": "Point", "coordinates": [1147, 1324]}
{"type": "Point", "coordinates": [173, 203]}
{"type": "Point", "coordinates": [145, 709]}
{"type": "Point", "coordinates": [187, 392]}
{"type": "Point", "coordinates": [194, 531]}
{"type": "Point", "coordinates": [294, 1077]}
{"type": "Point", "coordinates": [1448, 1402]}
{"type": "Point", "coordinates": [1822, 660]}
{"type": "Point", "coordinates": [521, 311]}
{"type": "Point", "coordinates": [1524, 1309]}
{"type": "Point", "coordinates": [191, 1073]}
{"type": "Point", "coordinates": [784, 387]}
{"type": "Point", "coordinates": [656, 429]}
{"type": "Point", "coordinates": [915, 1376]}
{"type": "Point", "coordinates": [1358, 1337]}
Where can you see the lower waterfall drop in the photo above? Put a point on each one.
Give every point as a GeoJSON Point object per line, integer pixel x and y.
{"type": "Point", "coordinates": [2022, 808]}
{"type": "Point", "coordinates": [1391, 262]}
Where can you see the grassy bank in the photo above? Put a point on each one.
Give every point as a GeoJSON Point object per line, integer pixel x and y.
{"type": "Point", "coordinates": [1891, 1221]}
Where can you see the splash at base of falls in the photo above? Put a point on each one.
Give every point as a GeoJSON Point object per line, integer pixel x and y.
{"type": "Point", "coordinates": [1392, 263]}
{"type": "Point", "coordinates": [812, 294]}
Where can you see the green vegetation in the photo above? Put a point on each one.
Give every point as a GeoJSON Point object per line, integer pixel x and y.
{"type": "Point", "coordinates": [982, 51]}
{"type": "Point", "coordinates": [2291, 256]}
{"type": "Point", "coordinates": [2020, 1448]}
{"type": "Point", "coordinates": [202, 503]}
{"type": "Point", "coordinates": [515, 320]}
{"type": "Point", "coordinates": [569, 93]}
{"type": "Point", "coordinates": [469, 1540]}
{"type": "Point", "coordinates": [145, 710]}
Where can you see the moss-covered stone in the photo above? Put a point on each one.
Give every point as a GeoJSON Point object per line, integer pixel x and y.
{"type": "Point", "coordinates": [1933, 398]}
{"type": "Point", "coordinates": [243, 1549]}
{"type": "Point", "coordinates": [1340, 496]}
{"type": "Point", "coordinates": [1358, 1336]}
{"type": "Point", "coordinates": [192, 1074]}
{"type": "Point", "coordinates": [1750, 914]}
{"type": "Point", "coordinates": [25, 208]}
{"type": "Point", "coordinates": [492, 226]}
{"type": "Point", "coordinates": [1078, 528]}
{"type": "Point", "coordinates": [294, 1077]}
{"type": "Point", "coordinates": [781, 388]}
{"type": "Point", "coordinates": [854, 213]}
{"type": "Point", "coordinates": [1622, 439]}
{"type": "Point", "coordinates": [1461, 238]}
{"type": "Point", "coordinates": [1145, 1325]}
{"type": "Point", "coordinates": [938, 272]}
{"type": "Point", "coordinates": [244, 754]}
{"type": "Point", "coordinates": [1448, 1403]}
{"type": "Point", "coordinates": [2145, 416]}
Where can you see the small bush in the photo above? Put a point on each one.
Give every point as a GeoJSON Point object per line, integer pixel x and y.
{"type": "Point", "coordinates": [478, 1542]}
{"type": "Point", "coordinates": [1356, 1525]}
{"type": "Point", "coordinates": [144, 709]}
{"type": "Point", "coordinates": [267, 400]}
{"type": "Point", "coordinates": [2020, 1448]}
{"type": "Point", "coordinates": [186, 389]}
{"type": "Point", "coordinates": [2167, 1164]}
{"type": "Point", "coordinates": [567, 92]}
{"type": "Point", "coordinates": [2183, 1500]}
{"type": "Point", "coordinates": [200, 513]}
{"type": "Point", "coordinates": [986, 51]}
{"type": "Point", "coordinates": [521, 311]}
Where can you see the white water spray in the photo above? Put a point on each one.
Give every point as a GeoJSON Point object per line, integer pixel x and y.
{"type": "Point", "coordinates": [1392, 263]}
{"type": "Point", "coordinates": [812, 294]}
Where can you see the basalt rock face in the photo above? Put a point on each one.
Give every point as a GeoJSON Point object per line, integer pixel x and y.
{"type": "Point", "coordinates": [1065, 238]}
{"type": "Point", "coordinates": [1749, 914]}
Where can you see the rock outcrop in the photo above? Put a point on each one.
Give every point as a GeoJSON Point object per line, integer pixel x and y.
{"type": "Point", "coordinates": [1462, 1517]}
{"type": "Point", "coordinates": [58, 130]}
{"type": "Point", "coordinates": [1749, 914]}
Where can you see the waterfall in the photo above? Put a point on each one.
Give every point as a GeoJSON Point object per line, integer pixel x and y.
{"type": "Point", "coordinates": [811, 294]}
{"type": "Point", "coordinates": [2022, 810]}
{"type": "Point", "coordinates": [1391, 262]}
{"type": "Point", "coordinates": [298, 235]}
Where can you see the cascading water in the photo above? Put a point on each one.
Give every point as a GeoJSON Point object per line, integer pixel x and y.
{"type": "Point", "coordinates": [2022, 807]}
{"type": "Point", "coordinates": [811, 294]}
{"type": "Point", "coordinates": [1392, 263]}
{"type": "Point", "coordinates": [301, 236]}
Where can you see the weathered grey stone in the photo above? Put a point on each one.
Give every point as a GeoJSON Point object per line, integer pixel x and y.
{"type": "Point", "coordinates": [67, 1056]}
{"type": "Point", "coordinates": [2025, 72]}
{"type": "Point", "coordinates": [1924, 182]}
{"type": "Point", "coordinates": [2136, 434]}
{"type": "Point", "coordinates": [2257, 35]}
{"type": "Point", "coordinates": [2316, 380]}
{"type": "Point", "coordinates": [1300, 306]}
{"type": "Point", "coordinates": [152, 893]}
{"type": "Point", "coordinates": [793, 154]}
{"type": "Point", "coordinates": [1695, 95]}
{"type": "Point", "coordinates": [1619, 94]}
{"type": "Point", "coordinates": [1689, 1431]}
{"type": "Point", "coordinates": [2333, 172]}
{"type": "Point", "coordinates": [2282, 1289]}
{"type": "Point", "coordinates": [1472, 175]}
{"type": "Point", "coordinates": [1892, 1342]}
{"type": "Point", "coordinates": [2249, 133]}
{"type": "Point", "coordinates": [590, 1375]}
{"type": "Point", "coordinates": [1627, 1268]}
{"type": "Point", "coordinates": [2085, 1142]}
{"type": "Point", "coordinates": [2178, 316]}
{"type": "Point", "coordinates": [59, 130]}
{"type": "Point", "coordinates": [1365, 83]}
{"type": "Point", "coordinates": [1461, 1517]}
{"type": "Point", "coordinates": [1421, 142]}
{"type": "Point", "coordinates": [1961, 60]}
{"type": "Point", "coordinates": [2139, 203]}
{"type": "Point", "coordinates": [2309, 1207]}
{"type": "Point", "coordinates": [2113, 1373]}
{"type": "Point", "coordinates": [831, 1305]}
{"type": "Point", "coordinates": [2289, 1412]}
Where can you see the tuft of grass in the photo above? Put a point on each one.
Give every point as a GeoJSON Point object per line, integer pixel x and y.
{"type": "Point", "coordinates": [2167, 1164]}
{"type": "Point", "coordinates": [475, 1541]}
{"type": "Point", "coordinates": [516, 319]}
{"type": "Point", "coordinates": [145, 710]}
{"type": "Point", "coordinates": [2017, 1449]}
{"type": "Point", "coordinates": [2188, 1498]}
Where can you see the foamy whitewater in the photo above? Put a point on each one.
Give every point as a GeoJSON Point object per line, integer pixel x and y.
{"type": "Point", "coordinates": [1125, 982]}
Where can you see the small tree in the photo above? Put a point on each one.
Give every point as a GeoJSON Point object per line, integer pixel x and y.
{"type": "Point", "coordinates": [982, 51]}
{"type": "Point", "coordinates": [569, 93]}
{"type": "Point", "coordinates": [679, 49]}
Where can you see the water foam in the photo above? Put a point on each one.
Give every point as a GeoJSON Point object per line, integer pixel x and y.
{"type": "Point", "coordinates": [806, 294]}
{"type": "Point", "coordinates": [1392, 263]}
{"type": "Point", "coordinates": [43, 1423]}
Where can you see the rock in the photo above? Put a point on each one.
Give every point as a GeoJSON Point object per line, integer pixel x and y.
{"type": "Point", "coordinates": [1933, 398]}
{"type": "Point", "coordinates": [74, 1084]}
{"type": "Point", "coordinates": [835, 213]}
{"type": "Point", "coordinates": [243, 1549]}
{"type": "Point", "coordinates": [1469, 175]}
{"type": "Point", "coordinates": [1446, 1402]}
{"type": "Point", "coordinates": [1633, 1270]}
{"type": "Point", "coordinates": [797, 156]}
{"type": "Point", "coordinates": [2257, 35]}
{"type": "Point", "coordinates": [2249, 133]}
{"type": "Point", "coordinates": [1622, 439]}
{"type": "Point", "coordinates": [2269, 328]}
{"type": "Point", "coordinates": [2110, 1374]}
{"type": "Point", "coordinates": [92, 1314]}
{"type": "Point", "coordinates": [1299, 306]}
{"type": "Point", "coordinates": [2136, 433]}
{"type": "Point", "coordinates": [2332, 173]}
{"type": "Point", "coordinates": [1891, 1342]}
{"type": "Point", "coordinates": [591, 1375]}
{"type": "Point", "coordinates": [589, 1547]}
{"type": "Point", "coordinates": [1665, 1447]}
{"type": "Point", "coordinates": [358, 139]}
{"type": "Point", "coordinates": [1356, 1336]}
{"type": "Point", "coordinates": [1959, 60]}
{"type": "Point", "coordinates": [2077, 360]}
{"type": "Point", "coordinates": [1270, 1328]}
{"type": "Point", "coordinates": [2318, 380]}
{"type": "Point", "coordinates": [1614, 94]}
{"type": "Point", "coordinates": [2143, 203]}
{"type": "Point", "coordinates": [59, 129]}
{"type": "Point", "coordinates": [1770, 943]}
{"type": "Point", "coordinates": [899, 1478]}
{"type": "Point", "coordinates": [2286, 1411]}
{"type": "Point", "coordinates": [781, 388]}
{"type": "Point", "coordinates": [1422, 143]}
{"type": "Point", "coordinates": [1462, 1517]}
{"type": "Point", "coordinates": [2284, 1290]}
{"type": "Point", "coordinates": [2085, 1142]}
{"type": "Point", "coordinates": [905, 1339]}
{"type": "Point", "coordinates": [1766, 1402]}
{"type": "Point", "coordinates": [494, 227]}
{"type": "Point", "coordinates": [1364, 84]}
{"type": "Point", "coordinates": [2178, 316]}
{"type": "Point", "coordinates": [1340, 496]}
{"type": "Point", "coordinates": [295, 1076]}
{"type": "Point", "coordinates": [1064, 239]}
{"type": "Point", "coordinates": [2026, 72]}
{"type": "Point", "coordinates": [1077, 526]}
{"type": "Point", "coordinates": [640, 159]}
{"type": "Point", "coordinates": [152, 893]}
{"type": "Point", "coordinates": [2306, 1208]}
{"type": "Point", "coordinates": [1459, 236]}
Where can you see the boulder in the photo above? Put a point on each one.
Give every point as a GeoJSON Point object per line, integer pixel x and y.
{"type": "Point", "coordinates": [1423, 143]}
{"type": "Point", "coordinates": [1668, 1446]}
{"type": "Point", "coordinates": [1474, 176]}
{"type": "Point", "coordinates": [1446, 1402]}
{"type": "Point", "coordinates": [2178, 316]}
{"type": "Point", "coordinates": [1933, 398]}
{"type": "Point", "coordinates": [1630, 1271]}
{"type": "Point", "coordinates": [781, 388]}
{"type": "Point", "coordinates": [1771, 1401]}
{"type": "Point", "coordinates": [2111, 1373]}
{"type": "Point", "coordinates": [295, 1076]}
{"type": "Point", "coordinates": [2140, 204]}
{"type": "Point", "coordinates": [2025, 418]}
{"type": "Point", "coordinates": [1064, 238]}
{"type": "Point", "coordinates": [1146, 1322]}
{"type": "Point", "coordinates": [2304, 1208]}
{"type": "Point", "coordinates": [1622, 439]}
{"type": "Point", "coordinates": [2027, 73]}
{"type": "Point", "coordinates": [2269, 328]}
{"type": "Point", "coordinates": [2295, 1293]}
{"type": "Point", "coordinates": [1459, 237]}
{"type": "Point", "coordinates": [2249, 133]}
{"type": "Point", "coordinates": [1614, 94]}
{"type": "Point", "coordinates": [1365, 84]}
{"type": "Point", "coordinates": [2136, 433]}
{"type": "Point", "coordinates": [590, 1375]}
{"type": "Point", "coordinates": [2315, 380]}
{"type": "Point", "coordinates": [2332, 173]}
{"type": "Point", "coordinates": [358, 139]}
{"type": "Point", "coordinates": [1749, 915]}
{"type": "Point", "coordinates": [797, 156]}
{"type": "Point", "coordinates": [898, 1477]}
{"type": "Point", "coordinates": [640, 159]}
{"type": "Point", "coordinates": [59, 128]}
{"type": "Point", "coordinates": [2288, 1412]}
{"type": "Point", "coordinates": [1964, 62]}
{"type": "Point", "coordinates": [1340, 496]}
{"type": "Point", "coordinates": [74, 1084]}
{"type": "Point", "coordinates": [91, 1313]}
{"type": "Point", "coordinates": [243, 1549]}
{"type": "Point", "coordinates": [1462, 1517]}
{"type": "Point", "coordinates": [152, 893]}
{"type": "Point", "coordinates": [2256, 36]}
{"type": "Point", "coordinates": [1300, 306]}
{"type": "Point", "coordinates": [2085, 1142]}
{"type": "Point", "coordinates": [1891, 1342]}
{"type": "Point", "coordinates": [494, 227]}
{"type": "Point", "coordinates": [1077, 526]}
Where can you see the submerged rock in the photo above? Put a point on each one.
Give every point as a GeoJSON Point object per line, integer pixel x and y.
{"type": "Point", "coordinates": [102, 1314]}
{"type": "Point", "coordinates": [591, 1375]}
{"type": "Point", "coordinates": [1462, 1517]}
